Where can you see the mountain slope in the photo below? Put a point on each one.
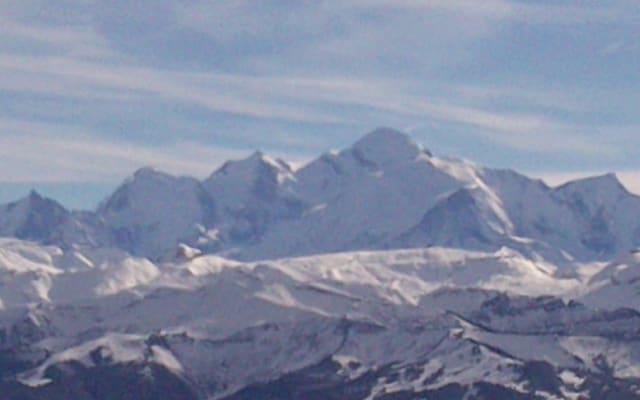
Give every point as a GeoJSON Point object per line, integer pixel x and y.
{"type": "Point", "coordinates": [34, 218]}
{"type": "Point", "coordinates": [377, 325]}
{"type": "Point", "coordinates": [251, 196]}
{"type": "Point", "coordinates": [152, 212]}
{"type": "Point", "coordinates": [358, 198]}
{"type": "Point", "coordinates": [609, 214]}
{"type": "Point", "coordinates": [617, 285]}
{"type": "Point", "coordinates": [416, 277]}
{"type": "Point", "coordinates": [383, 192]}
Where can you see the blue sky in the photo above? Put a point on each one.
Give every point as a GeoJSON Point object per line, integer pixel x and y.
{"type": "Point", "coordinates": [90, 90]}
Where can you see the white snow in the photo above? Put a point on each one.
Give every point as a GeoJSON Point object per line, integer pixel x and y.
{"type": "Point", "coordinates": [325, 278]}
{"type": "Point", "coordinates": [152, 211]}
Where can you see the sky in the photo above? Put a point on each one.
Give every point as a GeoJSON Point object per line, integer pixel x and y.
{"type": "Point", "coordinates": [91, 90]}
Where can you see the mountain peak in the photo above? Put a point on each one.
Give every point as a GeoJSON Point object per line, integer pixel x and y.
{"type": "Point", "coordinates": [384, 136]}
{"type": "Point", "coordinates": [385, 145]}
{"type": "Point", "coordinates": [33, 194]}
{"type": "Point", "coordinates": [260, 158]}
{"type": "Point", "coordinates": [608, 182]}
{"type": "Point", "coordinates": [33, 217]}
{"type": "Point", "coordinates": [35, 200]}
{"type": "Point", "coordinates": [257, 155]}
{"type": "Point", "coordinates": [608, 178]}
{"type": "Point", "coordinates": [149, 172]}
{"type": "Point", "coordinates": [251, 166]}
{"type": "Point", "coordinates": [145, 185]}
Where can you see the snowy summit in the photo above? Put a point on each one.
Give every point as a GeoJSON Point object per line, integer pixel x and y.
{"type": "Point", "coordinates": [381, 271]}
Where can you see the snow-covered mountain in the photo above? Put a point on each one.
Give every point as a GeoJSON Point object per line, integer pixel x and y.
{"type": "Point", "coordinates": [33, 217]}
{"type": "Point", "coordinates": [251, 195]}
{"type": "Point", "coordinates": [617, 285]}
{"type": "Point", "coordinates": [438, 322]}
{"type": "Point", "coordinates": [358, 198]}
{"type": "Point", "coordinates": [152, 212]}
{"type": "Point", "coordinates": [377, 272]}
{"type": "Point", "coordinates": [383, 192]}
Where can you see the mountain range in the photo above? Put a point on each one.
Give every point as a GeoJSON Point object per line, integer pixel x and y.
{"type": "Point", "coordinates": [381, 271]}
{"type": "Point", "coordinates": [384, 192]}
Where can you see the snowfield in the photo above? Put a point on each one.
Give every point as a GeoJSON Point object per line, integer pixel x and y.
{"type": "Point", "coordinates": [377, 272]}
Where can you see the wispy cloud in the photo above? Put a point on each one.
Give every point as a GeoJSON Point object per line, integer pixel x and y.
{"type": "Point", "coordinates": [572, 12]}
{"type": "Point", "coordinates": [60, 154]}
{"type": "Point", "coordinates": [569, 12]}
{"type": "Point", "coordinates": [288, 98]}
{"type": "Point", "coordinates": [488, 8]}
{"type": "Point", "coordinates": [329, 66]}
{"type": "Point", "coordinates": [68, 77]}
{"type": "Point", "coordinates": [528, 131]}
